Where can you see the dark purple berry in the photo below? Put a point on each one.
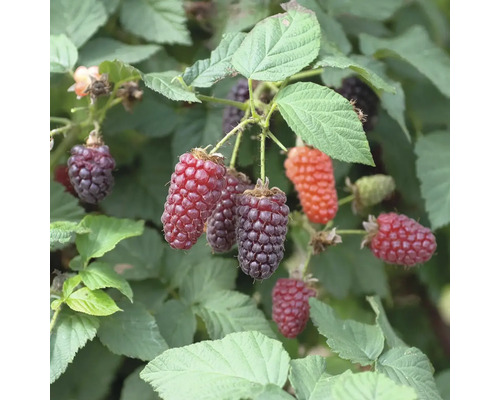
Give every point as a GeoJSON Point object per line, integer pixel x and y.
{"type": "Point", "coordinates": [90, 172]}
{"type": "Point", "coordinates": [196, 186]}
{"type": "Point", "coordinates": [365, 99]}
{"type": "Point", "coordinates": [221, 226]}
{"type": "Point", "coordinates": [233, 115]}
{"type": "Point", "coordinates": [261, 230]}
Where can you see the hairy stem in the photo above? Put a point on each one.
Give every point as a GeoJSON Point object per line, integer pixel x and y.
{"type": "Point", "coordinates": [306, 74]}
{"type": "Point", "coordinates": [54, 317]}
{"type": "Point", "coordinates": [237, 104]}
{"type": "Point", "coordinates": [250, 97]}
{"type": "Point", "coordinates": [276, 140]}
{"type": "Point", "coordinates": [237, 128]}
{"type": "Point", "coordinates": [351, 232]}
{"type": "Point", "coordinates": [346, 200]}
{"type": "Point", "coordinates": [263, 155]}
{"type": "Point", "coordinates": [235, 150]}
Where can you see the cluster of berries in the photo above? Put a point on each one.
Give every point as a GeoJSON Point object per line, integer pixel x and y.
{"type": "Point", "coordinates": [88, 81]}
{"type": "Point", "coordinates": [204, 193]}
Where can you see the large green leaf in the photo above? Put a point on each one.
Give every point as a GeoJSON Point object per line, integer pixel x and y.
{"type": "Point", "coordinates": [381, 318]}
{"type": "Point", "coordinates": [161, 21]}
{"type": "Point", "coordinates": [379, 10]}
{"type": "Point", "coordinates": [280, 45]}
{"type": "Point", "coordinates": [132, 333]}
{"type": "Point", "coordinates": [227, 311]}
{"type": "Point", "coordinates": [204, 73]}
{"type": "Point", "coordinates": [238, 366]}
{"type": "Point", "coordinates": [78, 20]}
{"type": "Point", "coordinates": [105, 233]}
{"type": "Point", "coordinates": [166, 83]}
{"type": "Point", "coordinates": [100, 49]}
{"type": "Point", "coordinates": [139, 257]}
{"type": "Point", "coordinates": [305, 374]}
{"type": "Point", "coordinates": [177, 323]}
{"type": "Point", "coordinates": [93, 302]}
{"type": "Point", "coordinates": [410, 367]}
{"type": "Point", "coordinates": [119, 72]}
{"type": "Point", "coordinates": [326, 120]}
{"type": "Point", "coordinates": [99, 275]}
{"type": "Point", "coordinates": [63, 205]}
{"type": "Point", "coordinates": [89, 376]}
{"type": "Point", "coordinates": [70, 333]}
{"type": "Point", "coordinates": [63, 54]}
{"type": "Point", "coordinates": [415, 47]}
{"type": "Point", "coordinates": [369, 386]}
{"type": "Point", "coordinates": [433, 170]}
{"type": "Point", "coordinates": [352, 340]}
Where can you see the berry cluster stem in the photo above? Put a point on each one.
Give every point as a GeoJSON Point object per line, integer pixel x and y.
{"type": "Point", "coordinates": [263, 136]}
{"type": "Point", "coordinates": [232, 164]}
{"type": "Point", "coordinates": [346, 200]}
{"type": "Point", "coordinates": [306, 74]}
{"type": "Point", "coordinates": [351, 232]}
{"type": "Point", "coordinates": [238, 104]}
{"type": "Point", "coordinates": [237, 128]}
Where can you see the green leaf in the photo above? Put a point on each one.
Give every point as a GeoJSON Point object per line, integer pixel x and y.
{"type": "Point", "coordinates": [410, 367]}
{"type": "Point", "coordinates": [70, 285]}
{"type": "Point", "coordinates": [177, 323]}
{"type": "Point", "coordinates": [352, 340]}
{"type": "Point", "coordinates": [415, 47]}
{"type": "Point", "coordinates": [433, 170]}
{"type": "Point", "coordinates": [273, 392]}
{"type": "Point", "coordinates": [204, 73]}
{"type": "Point", "coordinates": [63, 206]}
{"type": "Point", "coordinates": [105, 233]}
{"type": "Point", "coordinates": [370, 386]}
{"type": "Point", "coordinates": [110, 5]}
{"type": "Point", "coordinates": [106, 49]}
{"type": "Point", "coordinates": [379, 10]}
{"type": "Point", "coordinates": [305, 374]}
{"type": "Point", "coordinates": [227, 311]}
{"type": "Point", "coordinates": [70, 333]}
{"type": "Point", "coordinates": [132, 333]}
{"type": "Point", "coordinates": [64, 232]}
{"type": "Point", "coordinates": [335, 59]}
{"type": "Point", "coordinates": [238, 366]}
{"type": "Point", "coordinates": [99, 275]}
{"type": "Point", "coordinates": [326, 120]}
{"type": "Point", "coordinates": [167, 84]}
{"type": "Point", "coordinates": [279, 46]}
{"type": "Point", "coordinates": [443, 384]}
{"type": "Point", "coordinates": [78, 20]}
{"type": "Point", "coordinates": [152, 293]}
{"type": "Point", "coordinates": [93, 302]}
{"type": "Point", "coordinates": [135, 388]}
{"type": "Point", "coordinates": [161, 21]}
{"type": "Point", "coordinates": [381, 319]}
{"type": "Point", "coordinates": [119, 72]}
{"type": "Point", "coordinates": [63, 54]}
{"type": "Point", "coordinates": [86, 378]}
{"type": "Point", "coordinates": [139, 257]}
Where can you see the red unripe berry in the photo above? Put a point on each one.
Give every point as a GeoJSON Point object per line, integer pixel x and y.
{"type": "Point", "coordinates": [61, 176]}
{"type": "Point", "coordinates": [195, 188]}
{"type": "Point", "coordinates": [291, 305]}
{"type": "Point", "coordinates": [399, 239]}
{"type": "Point", "coordinates": [311, 172]}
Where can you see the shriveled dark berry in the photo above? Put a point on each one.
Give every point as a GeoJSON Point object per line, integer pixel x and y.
{"type": "Point", "coordinates": [365, 99]}
{"type": "Point", "coordinates": [291, 305]}
{"type": "Point", "coordinates": [261, 230]}
{"type": "Point", "coordinates": [233, 115]}
{"type": "Point", "coordinates": [90, 172]}
{"type": "Point", "coordinates": [221, 226]}
{"type": "Point", "coordinates": [196, 186]}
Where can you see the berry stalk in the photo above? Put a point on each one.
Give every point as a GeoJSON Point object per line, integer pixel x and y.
{"type": "Point", "coordinates": [237, 104]}
{"type": "Point", "coordinates": [263, 155]}
{"type": "Point", "coordinates": [228, 135]}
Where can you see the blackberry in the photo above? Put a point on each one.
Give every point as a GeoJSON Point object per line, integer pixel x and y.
{"type": "Point", "coordinates": [90, 169]}
{"type": "Point", "coordinates": [232, 115]}
{"type": "Point", "coordinates": [291, 305]}
{"type": "Point", "coordinates": [354, 89]}
{"type": "Point", "coordinates": [221, 226]}
{"type": "Point", "coordinates": [399, 239]}
{"type": "Point", "coordinates": [196, 186]}
{"type": "Point", "coordinates": [261, 229]}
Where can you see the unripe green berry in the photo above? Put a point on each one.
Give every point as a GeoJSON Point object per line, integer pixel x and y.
{"type": "Point", "coordinates": [370, 190]}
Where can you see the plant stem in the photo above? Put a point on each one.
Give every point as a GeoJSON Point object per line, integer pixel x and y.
{"type": "Point", "coordinates": [306, 262]}
{"type": "Point", "coordinates": [237, 104]}
{"type": "Point", "coordinates": [235, 149]}
{"type": "Point", "coordinates": [263, 155]}
{"type": "Point", "coordinates": [351, 232]}
{"type": "Point", "coordinates": [250, 97]}
{"type": "Point", "coordinates": [64, 121]}
{"type": "Point", "coordinates": [67, 142]}
{"type": "Point", "coordinates": [306, 74]}
{"type": "Point", "coordinates": [54, 317]}
{"type": "Point", "coordinates": [276, 140]}
{"type": "Point", "coordinates": [345, 200]}
{"type": "Point", "coordinates": [268, 116]}
{"type": "Point", "coordinates": [231, 133]}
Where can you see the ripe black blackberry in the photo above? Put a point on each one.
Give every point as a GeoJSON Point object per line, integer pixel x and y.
{"type": "Point", "coordinates": [365, 98]}
{"type": "Point", "coordinates": [233, 115]}
{"type": "Point", "coordinates": [261, 228]}
{"type": "Point", "coordinates": [221, 226]}
{"type": "Point", "coordinates": [90, 169]}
